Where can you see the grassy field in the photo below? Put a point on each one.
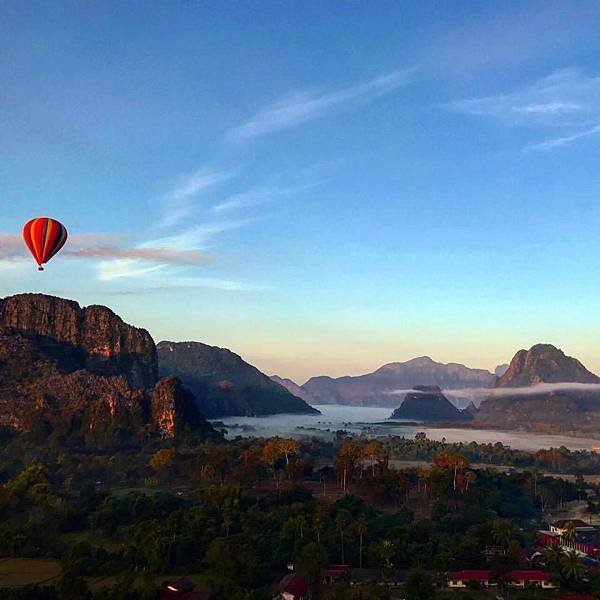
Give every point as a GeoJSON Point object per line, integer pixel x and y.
{"type": "Point", "coordinates": [17, 572]}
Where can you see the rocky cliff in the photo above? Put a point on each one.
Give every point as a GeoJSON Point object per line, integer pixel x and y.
{"type": "Point", "coordinates": [84, 372]}
{"type": "Point", "coordinates": [544, 363]}
{"type": "Point", "coordinates": [427, 403]}
{"type": "Point", "coordinates": [373, 389]}
{"type": "Point", "coordinates": [106, 345]}
{"type": "Point", "coordinates": [527, 395]}
{"type": "Point", "coordinates": [223, 383]}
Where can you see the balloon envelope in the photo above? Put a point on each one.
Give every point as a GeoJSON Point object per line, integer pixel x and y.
{"type": "Point", "coordinates": [44, 238]}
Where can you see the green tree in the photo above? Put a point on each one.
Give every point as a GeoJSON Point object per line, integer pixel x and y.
{"type": "Point", "coordinates": [419, 585]}
{"type": "Point", "coordinates": [502, 532]}
{"type": "Point", "coordinates": [361, 528]}
{"type": "Point", "coordinates": [570, 533]}
{"type": "Point", "coordinates": [310, 562]}
{"type": "Point", "coordinates": [342, 520]}
{"type": "Point", "coordinates": [571, 567]}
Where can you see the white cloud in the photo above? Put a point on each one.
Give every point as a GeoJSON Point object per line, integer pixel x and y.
{"type": "Point", "coordinates": [181, 248]}
{"type": "Point", "coordinates": [258, 196]}
{"type": "Point", "coordinates": [565, 103]}
{"type": "Point", "coordinates": [552, 143]}
{"type": "Point", "coordinates": [179, 202]}
{"type": "Point", "coordinates": [305, 106]}
{"type": "Point", "coordinates": [125, 267]}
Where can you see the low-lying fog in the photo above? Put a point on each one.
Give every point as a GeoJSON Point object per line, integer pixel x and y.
{"type": "Point", "coordinates": [374, 422]}
{"type": "Point", "coordinates": [462, 397]}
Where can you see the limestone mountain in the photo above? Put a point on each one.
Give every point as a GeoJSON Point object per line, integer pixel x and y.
{"type": "Point", "coordinates": [86, 374]}
{"type": "Point", "coordinates": [223, 383]}
{"type": "Point", "coordinates": [544, 363]}
{"type": "Point", "coordinates": [373, 389]}
{"type": "Point", "coordinates": [292, 387]}
{"type": "Point", "coordinates": [428, 403]}
{"type": "Point", "coordinates": [538, 406]}
{"type": "Point", "coordinates": [501, 369]}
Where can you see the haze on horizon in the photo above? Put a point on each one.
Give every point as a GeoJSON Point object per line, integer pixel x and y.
{"type": "Point", "coordinates": [321, 192]}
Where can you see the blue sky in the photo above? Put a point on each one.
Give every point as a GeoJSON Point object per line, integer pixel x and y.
{"type": "Point", "coordinates": [321, 187]}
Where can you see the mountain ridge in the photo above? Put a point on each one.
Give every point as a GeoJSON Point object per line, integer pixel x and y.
{"type": "Point", "coordinates": [85, 374]}
{"type": "Point", "coordinates": [224, 383]}
{"type": "Point", "coordinates": [546, 409]}
{"type": "Point", "coordinates": [374, 389]}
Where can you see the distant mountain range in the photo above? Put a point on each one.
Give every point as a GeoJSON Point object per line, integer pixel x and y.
{"type": "Point", "coordinates": [224, 384]}
{"type": "Point", "coordinates": [294, 388]}
{"type": "Point", "coordinates": [383, 387]}
{"type": "Point", "coordinates": [532, 392]}
{"type": "Point", "coordinates": [88, 378]}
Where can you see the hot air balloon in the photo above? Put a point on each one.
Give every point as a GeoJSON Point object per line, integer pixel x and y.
{"type": "Point", "coordinates": [44, 238]}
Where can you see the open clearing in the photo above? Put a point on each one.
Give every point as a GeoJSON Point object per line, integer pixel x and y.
{"type": "Point", "coordinates": [17, 572]}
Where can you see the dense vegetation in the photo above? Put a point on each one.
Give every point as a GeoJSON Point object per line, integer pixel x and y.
{"type": "Point", "coordinates": [235, 514]}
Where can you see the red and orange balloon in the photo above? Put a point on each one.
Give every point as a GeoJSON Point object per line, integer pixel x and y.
{"type": "Point", "coordinates": [44, 238]}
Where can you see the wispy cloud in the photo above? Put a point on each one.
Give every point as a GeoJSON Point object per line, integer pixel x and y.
{"type": "Point", "coordinates": [191, 285]}
{"type": "Point", "coordinates": [259, 196]}
{"type": "Point", "coordinates": [552, 143]}
{"type": "Point", "coordinates": [104, 246]}
{"type": "Point", "coordinates": [185, 247]}
{"type": "Point", "coordinates": [180, 201]}
{"type": "Point", "coordinates": [304, 106]}
{"type": "Point", "coordinates": [565, 103]}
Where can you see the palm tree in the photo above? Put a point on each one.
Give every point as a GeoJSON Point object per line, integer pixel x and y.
{"type": "Point", "coordinates": [342, 520]}
{"type": "Point", "coordinates": [570, 532]}
{"type": "Point", "coordinates": [301, 524]}
{"type": "Point", "coordinates": [554, 556]}
{"type": "Point", "coordinates": [470, 477]}
{"type": "Point", "coordinates": [571, 566]}
{"type": "Point", "coordinates": [319, 521]}
{"type": "Point", "coordinates": [227, 521]}
{"type": "Point", "coordinates": [502, 532]}
{"type": "Point", "coordinates": [361, 528]}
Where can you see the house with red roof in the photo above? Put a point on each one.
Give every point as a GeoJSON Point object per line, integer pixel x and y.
{"type": "Point", "coordinates": [586, 542]}
{"type": "Point", "coordinates": [334, 572]}
{"type": "Point", "coordinates": [517, 579]}
{"type": "Point", "coordinates": [522, 579]}
{"type": "Point", "coordinates": [291, 587]}
{"type": "Point", "coordinates": [460, 579]}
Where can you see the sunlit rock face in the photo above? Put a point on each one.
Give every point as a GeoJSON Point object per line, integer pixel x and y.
{"type": "Point", "coordinates": [106, 344]}
{"type": "Point", "coordinates": [85, 372]}
{"type": "Point", "coordinates": [534, 394]}
{"type": "Point", "coordinates": [544, 363]}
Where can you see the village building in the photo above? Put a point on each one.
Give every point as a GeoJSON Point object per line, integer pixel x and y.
{"type": "Point", "coordinates": [586, 541]}
{"type": "Point", "coordinates": [291, 587]}
{"type": "Point", "coordinates": [517, 579]}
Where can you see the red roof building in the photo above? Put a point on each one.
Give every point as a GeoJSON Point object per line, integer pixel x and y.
{"type": "Point", "coordinates": [518, 579]}
{"type": "Point", "coordinates": [459, 579]}
{"type": "Point", "coordinates": [292, 587]}
{"type": "Point", "coordinates": [333, 572]}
